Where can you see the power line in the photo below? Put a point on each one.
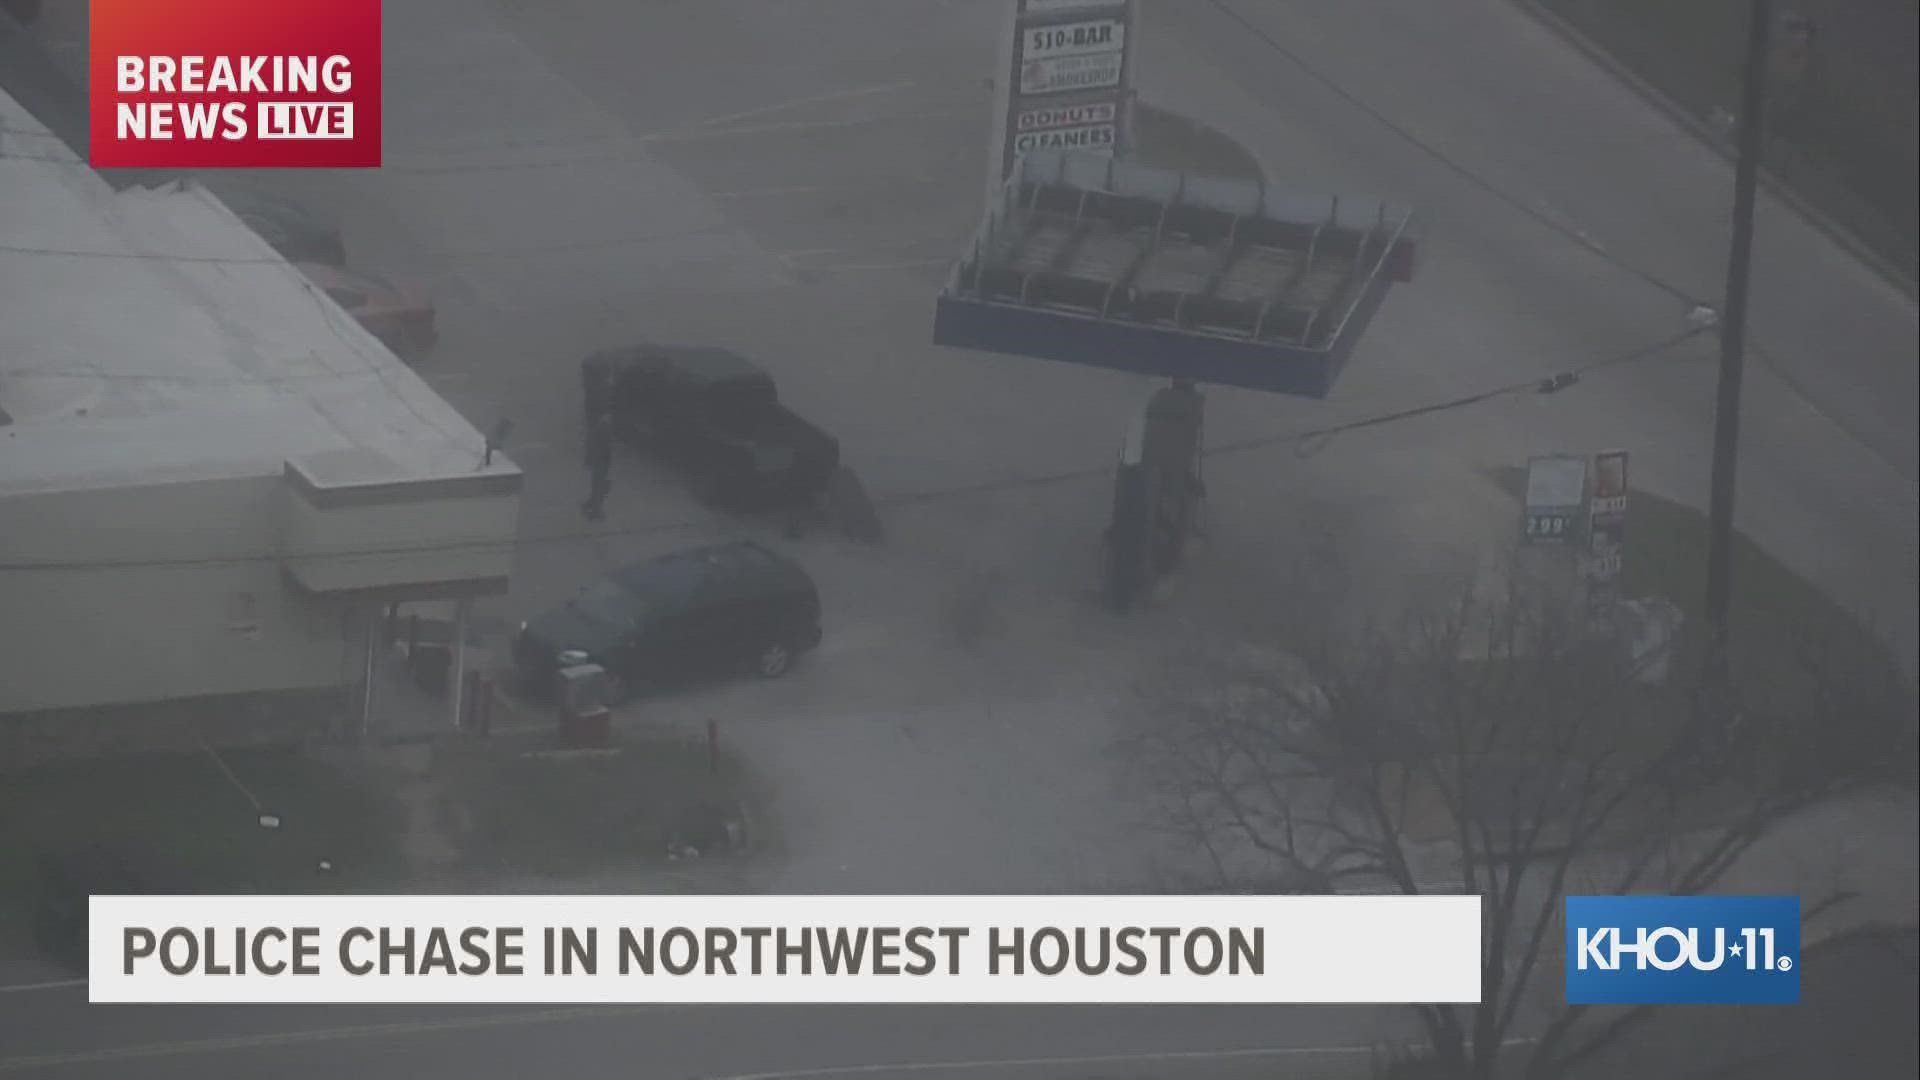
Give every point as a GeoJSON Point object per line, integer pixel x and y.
{"type": "Point", "coordinates": [1548, 384]}
{"type": "Point", "coordinates": [718, 128]}
{"type": "Point", "coordinates": [641, 142]}
{"type": "Point", "coordinates": [374, 364]}
{"type": "Point", "coordinates": [1314, 438]}
{"type": "Point", "coordinates": [597, 244]}
{"type": "Point", "coordinates": [370, 365]}
{"type": "Point", "coordinates": [139, 256]}
{"type": "Point", "coordinates": [637, 145]}
{"type": "Point", "coordinates": [228, 772]}
{"type": "Point", "coordinates": [734, 123]}
{"type": "Point", "coordinates": [83, 375]}
{"type": "Point", "coordinates": [1434, 152]}
{"type": "Point", "coordinates": [1317, 438]}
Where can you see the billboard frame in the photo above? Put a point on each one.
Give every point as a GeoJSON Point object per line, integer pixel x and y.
{"type": "Point", "coordinates": [1104, 316]}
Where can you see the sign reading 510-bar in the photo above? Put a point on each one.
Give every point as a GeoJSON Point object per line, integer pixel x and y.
{"type": "Point", "coordinates": [1074, 39]}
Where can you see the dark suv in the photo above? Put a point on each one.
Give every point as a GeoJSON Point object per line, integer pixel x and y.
{"type": "Point", "coordinates": [691, 615]}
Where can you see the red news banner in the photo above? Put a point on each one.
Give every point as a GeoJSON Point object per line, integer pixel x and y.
{"type": "Point", "coordinates": [234, 84]}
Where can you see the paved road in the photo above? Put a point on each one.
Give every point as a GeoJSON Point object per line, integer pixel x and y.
{"type": "Point", "coordinates": [40, 1038]}
{"type": "Point", "coordinates": [1485, 100]}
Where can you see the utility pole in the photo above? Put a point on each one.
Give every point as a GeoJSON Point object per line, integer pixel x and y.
{"type": "Point", "coordinates": [1733, 334]}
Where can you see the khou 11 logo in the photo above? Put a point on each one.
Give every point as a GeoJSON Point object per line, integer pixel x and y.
{"type": "Point", "coordinates": [1721, 950]}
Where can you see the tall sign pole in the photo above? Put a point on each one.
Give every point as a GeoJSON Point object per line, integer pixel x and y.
{"type": "Point", "coordinates": [1005, 75]}
{"type": "Point", "coordinates": [1604, 561]}
{"type": "Point", "coordinates": [1065, 78]}
{"type": "Point", "coordinates": [1733, 333]}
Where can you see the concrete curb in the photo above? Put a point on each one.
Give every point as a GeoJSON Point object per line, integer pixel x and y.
{"type": "Point", "coordinates": [1699, 129]}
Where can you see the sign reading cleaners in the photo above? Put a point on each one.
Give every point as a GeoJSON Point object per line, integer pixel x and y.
{"type": "Point", "coordinates": [224, 84]}
{"type": "Point", "coordinates": [1067, 78]}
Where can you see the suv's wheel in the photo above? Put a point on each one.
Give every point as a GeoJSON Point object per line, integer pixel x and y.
{"type": "Point", "coordinates": [774, 660]}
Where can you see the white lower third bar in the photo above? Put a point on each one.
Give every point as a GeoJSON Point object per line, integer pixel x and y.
{"type": "Point", "coordinates": [784, 949]}
{"type": "Point", "coordinates": [304, 120]}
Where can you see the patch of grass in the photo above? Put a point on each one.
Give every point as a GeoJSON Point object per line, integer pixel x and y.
{"type": "Point", "coordinates": [1779, 621]}
{"type": "Point", "coordinates": [185, 818]}
{"type": "Point", "coordinates": [573, 813]}
{"type": "Point", "coordinates": [1166, 140]}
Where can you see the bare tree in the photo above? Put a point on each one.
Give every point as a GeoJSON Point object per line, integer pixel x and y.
{"type": "Point", "coordinates": [1491, 747]}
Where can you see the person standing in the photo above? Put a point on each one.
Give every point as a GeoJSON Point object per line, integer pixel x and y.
{"type": "Point", "coordinates": [595, 382]}
{"type": "Point", "coordinates": [599, 464]}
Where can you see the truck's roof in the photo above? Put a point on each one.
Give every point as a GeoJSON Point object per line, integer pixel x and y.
{"type": "Point", "coordinates": [694, 363]}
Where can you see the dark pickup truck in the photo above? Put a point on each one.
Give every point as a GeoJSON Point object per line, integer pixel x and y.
{"type": "Point", "coordinates": [716, 416]}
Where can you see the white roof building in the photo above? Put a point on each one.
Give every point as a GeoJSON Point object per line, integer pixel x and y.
{"type": "Point", "coordinates": [199, 449]}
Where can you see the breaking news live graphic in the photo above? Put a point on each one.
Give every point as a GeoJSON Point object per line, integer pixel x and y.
{"type": "Point", "coordinates": [931, 540]}
{"type": "Point", "coordinates": [218, 84]}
